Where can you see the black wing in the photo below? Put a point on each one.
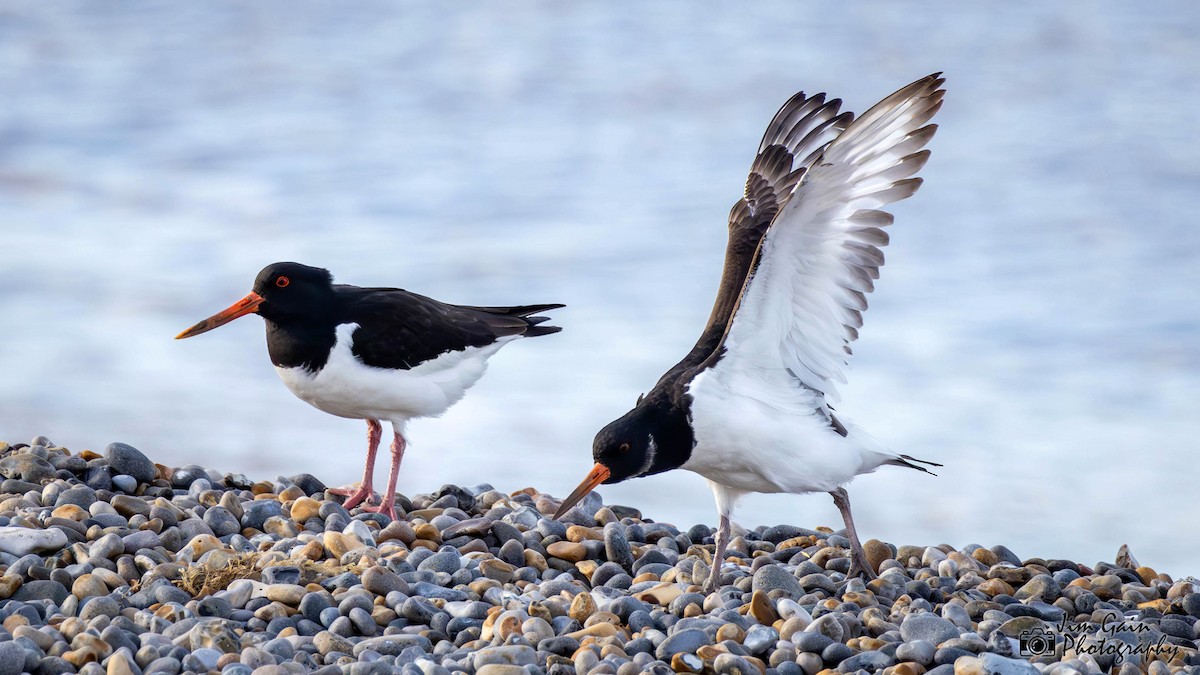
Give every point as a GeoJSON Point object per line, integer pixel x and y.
{"type": "Point", "coordinates": [797, 134]}
{"type": "Point", "coordinates": [399, 329]}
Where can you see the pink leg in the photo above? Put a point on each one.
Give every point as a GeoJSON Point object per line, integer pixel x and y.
{"type": "Point", "coordinates": [364, 491]}
{"type": "Point", "coordinates": [388, 506]}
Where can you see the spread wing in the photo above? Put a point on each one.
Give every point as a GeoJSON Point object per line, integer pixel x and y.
{"type": "Point", "coordinates": [795, 136]}
{"type": "Point", "coordinates": [802, 303]}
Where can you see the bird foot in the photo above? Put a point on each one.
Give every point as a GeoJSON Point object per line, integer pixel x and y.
{"type": "Point", "coordinates": [354, 497]}
{"type": "Point", "coordinates": [387, 508]}
{"type": "Point", "coordinates": [713, 583]}
{"type": "Point", "coordinates": [859, 567]}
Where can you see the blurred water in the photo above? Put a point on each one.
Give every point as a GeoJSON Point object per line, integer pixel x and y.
{"type": "Point", "coordinates": [1036, 329]}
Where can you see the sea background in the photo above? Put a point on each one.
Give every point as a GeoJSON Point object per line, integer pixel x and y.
{"type": "Point", "coordinates": [1036, 330]}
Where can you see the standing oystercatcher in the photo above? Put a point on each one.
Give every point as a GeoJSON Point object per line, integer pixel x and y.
{"type": "Point", "coordinates": [378, 354]}
{"type": "Point", "coordinates": [749, 407]}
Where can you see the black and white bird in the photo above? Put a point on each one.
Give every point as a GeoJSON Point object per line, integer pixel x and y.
{"type": "Point", "coordinates": [749, 408]}
{"type": "Point", "coordinates": [377, 354]}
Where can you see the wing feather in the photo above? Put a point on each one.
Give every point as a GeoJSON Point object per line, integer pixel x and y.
{"type": "Point", "coordinates": [802, 302]}
{"type": "Point", "coordinates": [802, 127]}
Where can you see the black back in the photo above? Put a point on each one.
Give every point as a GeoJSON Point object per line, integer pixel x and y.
{"type": "Point", "coordinates": [396, 329]}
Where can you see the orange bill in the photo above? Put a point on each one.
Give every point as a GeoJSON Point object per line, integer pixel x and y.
{"type": "Point", "coordinates": [598, 475]}
{"type": "Point", "coordinates": [240, 308]}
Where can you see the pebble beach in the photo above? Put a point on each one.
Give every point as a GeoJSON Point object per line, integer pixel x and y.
{"type": "Point", "coordinates": [115, 564]}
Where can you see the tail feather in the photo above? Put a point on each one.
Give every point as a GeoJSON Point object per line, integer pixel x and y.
{"type": "Point", "coordinates": [518, 310]}
{"type": "Point", "coordinates": [521, 315]}
{"type": "Point", "coordinates": [907, 461]}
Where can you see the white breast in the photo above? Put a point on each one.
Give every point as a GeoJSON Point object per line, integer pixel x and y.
{"type": "Point", "coordinates": [761, 433]}
{"type": "Point", "coordinates": [347, 388]}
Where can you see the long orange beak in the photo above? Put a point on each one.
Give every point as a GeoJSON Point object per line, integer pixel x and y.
{"type": "Point", "coordinates": [240, 308]}
{"type": "Point", "coordinates": [598, 475]}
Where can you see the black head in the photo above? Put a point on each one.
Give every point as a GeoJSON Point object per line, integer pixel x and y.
{"type": "Point", "coordinates": [294, 292]}
{"type": "Point", "coordinates": [283, 292]}
{"type": "Point", "coordinates": [625, 448]}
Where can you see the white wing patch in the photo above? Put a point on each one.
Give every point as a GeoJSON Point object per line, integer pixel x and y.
{"type": "Point", "coordinates": [803, 304]}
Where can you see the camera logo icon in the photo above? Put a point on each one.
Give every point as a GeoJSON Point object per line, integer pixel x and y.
{"type": "Point", "coordinates": [1036, 642]}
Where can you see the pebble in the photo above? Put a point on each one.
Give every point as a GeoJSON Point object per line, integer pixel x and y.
{"type": "Point", "coordinates": [128, 460]}
{"type": "Point", "coordinates": [245, 577]}
{"type": "Point", "coordinates": [928, 627]}
{"type": "Point", "coordinates": [20, 541]}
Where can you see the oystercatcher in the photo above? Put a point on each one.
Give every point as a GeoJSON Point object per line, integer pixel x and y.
{"type": "Point", "coordinates": [378, 354]}
{"type": "Point", "coordinates": [749, 408]}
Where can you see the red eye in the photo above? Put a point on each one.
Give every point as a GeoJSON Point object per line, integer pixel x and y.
{"type": "Point", "coordinates": [282, 282]}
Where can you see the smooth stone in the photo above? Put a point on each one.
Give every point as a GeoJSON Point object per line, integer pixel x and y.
{"type": "Point", "coordinates": [381, 581]}
{"type": "Point", "coordinates": [500, 669]}
{"type": "Point", "coordinates": [871, 661]}
{"type": "Point", "coordinates": [12, 658]}
{"type": "Point", "coordinates": [288, 575]}
{"type": "Point", "coordinates": [836, 653]}
{"type": "Point", "coordinates": [616, 546]}
{"type": "Point", "coordinates": [124, 483]}
{"type": "Point", "coordinates": [80, 495]}
{"type": "Point", "coordinates": [221, 521]}
{"type": "Point", "coordinates": [513, 655]}
{"type": "Point", "coordinates": [917, 651]}
{"type": "Point", "coordinates": [929, 627]}
{"type": "Point", "coordinates": [1041, 587]}
{"type": "Point", "coordinates": [567, 550]}
{"type": "Point", "coordinates": [255, 513]}
{"type": "Point", "coordinates": [26, 467]}
{"type": "Point", "coordinates": [806, 641]}
{"type": "Point", "coordinates": [327, 642]}
{"type": "Point", "coordinates": [448, 562]}
{"type": "Point", "coordinates": [130, 506]}
{"type": "Point", "coordinates": [304, 509]}
{"type": "Point", "coordinates": [20, 541]}
{"type": "Point", "coordinates": [759, 638]}
{"type": "Point", "coordinates": [393, 645]}
{"type": "Point", "coordinates": [99, 606]}
{"type": "Point", "coordinates": [992, 664]}
{"type": "Point", "coordinates": [42, 590]}
{"type": "Point", "coordinates": [129, 460]}
{"type": "Point", "coordinates": [682, 641]}
{"type": "Point", "coordinates": [141, 539]}
{"type": "Point", "coordinates": [771, 577]}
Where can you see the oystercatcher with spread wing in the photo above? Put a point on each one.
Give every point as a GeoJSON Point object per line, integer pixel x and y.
{"type": "Point", "coordinates": [749, 408]}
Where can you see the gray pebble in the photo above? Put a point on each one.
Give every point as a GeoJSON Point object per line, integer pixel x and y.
{"type": "Point", "coordinates": [42, 590]}
{"type": "Point", "coordinates": [80, 495]}
{"type": "Point", "coordinates": [774, 577]}
{"type": "Point", "coordinates": [444, 561]}
{"type": "Point", "coordinates": [928, 627]}
{"type": "Point", "coordinates": [918, 651]}
{"type": "Point", "coordinates": [124, 482]}
{"type": "Point", "coordinates": [26, 467]}
{"type": "Point", "coordinates": [362, 621]}
{"type": "Point", "coordinates": [129, 460]}
{"type": "Point", "coordinates": [255, 513]}
{"type": "Point", "coordinates": [221, 521]}
{"type": "Point", "coordinates": [12, 658]}
{"type": "Point", "coordinates": [682, 641]}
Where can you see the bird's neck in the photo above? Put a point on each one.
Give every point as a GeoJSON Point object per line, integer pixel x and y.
{"type": "Point", "coordinates": [673, 440]}
{"type": "Point", "coordinates": [294, 344]}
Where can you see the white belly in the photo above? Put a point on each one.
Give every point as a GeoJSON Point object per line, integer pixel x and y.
{"type": "Point", "coordinates": [347, 388]}
{"type": "Point", "coordinates": [772, 439]}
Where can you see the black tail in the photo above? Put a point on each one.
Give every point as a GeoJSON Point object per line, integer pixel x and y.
{"type": "Point", "coordinates": [906, 461]}
{"type": "Point", "coordinates": [525, 312]}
